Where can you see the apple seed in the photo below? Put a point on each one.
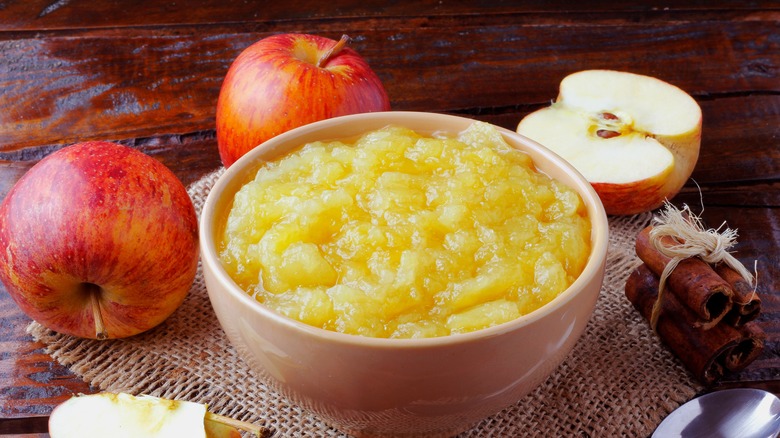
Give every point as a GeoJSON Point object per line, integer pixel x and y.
{"type": "Point", "coordinates": [611, 121]}
{"type": "Point", "coordinates": [606, 133]}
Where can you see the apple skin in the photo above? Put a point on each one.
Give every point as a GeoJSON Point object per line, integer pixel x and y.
{"type": "Point", "coordinates": [635, 197]}
{"type": "Point", "coordinates": [274, 85]}
{"type": "Point", "coordinates": [98, 217]}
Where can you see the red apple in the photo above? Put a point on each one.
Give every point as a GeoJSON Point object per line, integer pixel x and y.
{"type": "Point", "coordinates": [635, 138]}
{"type": "Point", "coordinates": [98, 240]}
{"type": "Point", "coordinates": [289, 80]}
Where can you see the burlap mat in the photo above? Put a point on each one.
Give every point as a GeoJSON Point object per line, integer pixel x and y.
{"type": "Point", "coordinates": [618, 381]}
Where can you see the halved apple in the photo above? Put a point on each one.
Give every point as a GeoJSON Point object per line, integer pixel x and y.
{"type": "Point", "coordinates": [635, 138]}
{"type": "Point", "coordinates": [119, 415]}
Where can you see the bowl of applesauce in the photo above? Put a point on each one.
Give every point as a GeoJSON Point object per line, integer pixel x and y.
{"type": "Point", "coordinates": [403, 273]}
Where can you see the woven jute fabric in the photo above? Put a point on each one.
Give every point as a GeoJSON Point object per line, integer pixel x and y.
{"type": "Point", "coordinates": [618, 381]}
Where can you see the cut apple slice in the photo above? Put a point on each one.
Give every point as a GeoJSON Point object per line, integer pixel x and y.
{"type": "Point", "coordinates": [123, 415]}
{"type": "Point", "coordinates": [635, 138]}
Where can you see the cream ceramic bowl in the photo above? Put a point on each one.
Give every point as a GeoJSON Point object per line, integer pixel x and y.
{"type": "Point", "coordinates": [399, 387]}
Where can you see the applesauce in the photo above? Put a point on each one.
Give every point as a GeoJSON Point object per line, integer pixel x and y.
{"type": "Point", "coordinates": [399, 235]}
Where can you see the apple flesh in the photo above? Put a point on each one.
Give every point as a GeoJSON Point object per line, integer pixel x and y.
{"type": "Point", "coordinates": [635, 138]}
{"type": "Point", "coordinates": [289, 80]}
{"type": "Point", "coordinates": [119, 415]}
{"type": "Point", "coordinates": [98, 241]}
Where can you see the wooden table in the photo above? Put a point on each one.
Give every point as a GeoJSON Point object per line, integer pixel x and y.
{"type": "Point", "coordinates": [148, 73]}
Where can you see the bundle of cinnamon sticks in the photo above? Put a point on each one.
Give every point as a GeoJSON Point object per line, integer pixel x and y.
{"type": "Point", "coordinates": [706, 314]}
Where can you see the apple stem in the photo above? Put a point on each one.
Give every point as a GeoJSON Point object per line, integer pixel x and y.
{"type": "Point", "coordinates": [340, 44]}
{"type": "Point", "coordinates": [238, 424]}
{"type": "Point", "coordinates": [94, 295]}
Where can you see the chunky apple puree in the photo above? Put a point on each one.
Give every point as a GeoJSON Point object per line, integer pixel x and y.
{"type": "Point", "coordinates": [402, 236]}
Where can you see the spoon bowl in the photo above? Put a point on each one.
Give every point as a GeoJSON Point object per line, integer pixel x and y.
{"type": "Point", "coordinates": [739, 412]}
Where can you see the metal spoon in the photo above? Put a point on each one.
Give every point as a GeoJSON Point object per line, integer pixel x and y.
{"type": "Point", "coordinates": [730, 413]}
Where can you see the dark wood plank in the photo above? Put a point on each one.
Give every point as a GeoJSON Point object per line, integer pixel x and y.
{"type": "Point", "coordinates": [58, 14]}
{"type": "Point", "coordinates": [759, 195]}
{"type": "Point", "coordinates": [740, 136]}
{"type": "Point", "coordinates": [54, 95]}
{"type": "Point", "coordinates": [32, 382]}
{"type": "Point", "coordinates": [24, 427]}
{"type": "Point", "coordinates": [140, 83]}
{"type": "Point", "coordinates": [128, 86]}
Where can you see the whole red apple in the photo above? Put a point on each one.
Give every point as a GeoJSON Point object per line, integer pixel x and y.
{"type": "Point", "coordinates": [289, 80]}
{"type": "Point", "coordinates": [98, 240]}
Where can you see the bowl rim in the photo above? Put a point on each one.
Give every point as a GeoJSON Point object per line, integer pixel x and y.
{"type": "Point", "coordinates": [594, 266]}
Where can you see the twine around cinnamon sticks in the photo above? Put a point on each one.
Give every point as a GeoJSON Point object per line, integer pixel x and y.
{"type": "Point", "coordinates": [697, 297]}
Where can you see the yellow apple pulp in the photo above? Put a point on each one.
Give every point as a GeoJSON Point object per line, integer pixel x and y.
{"type": "Point", "coordinates": [400, 235]}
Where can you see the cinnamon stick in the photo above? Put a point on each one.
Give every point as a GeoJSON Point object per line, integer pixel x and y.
{"type": "Point", "coordinates": [707, 354]}
{"type": "Point", "coordinates": [746, 302]}
{"type": "Point", "coordinates": [748, 349]}
{"type": "Point", "coordinates": [693, 281]}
